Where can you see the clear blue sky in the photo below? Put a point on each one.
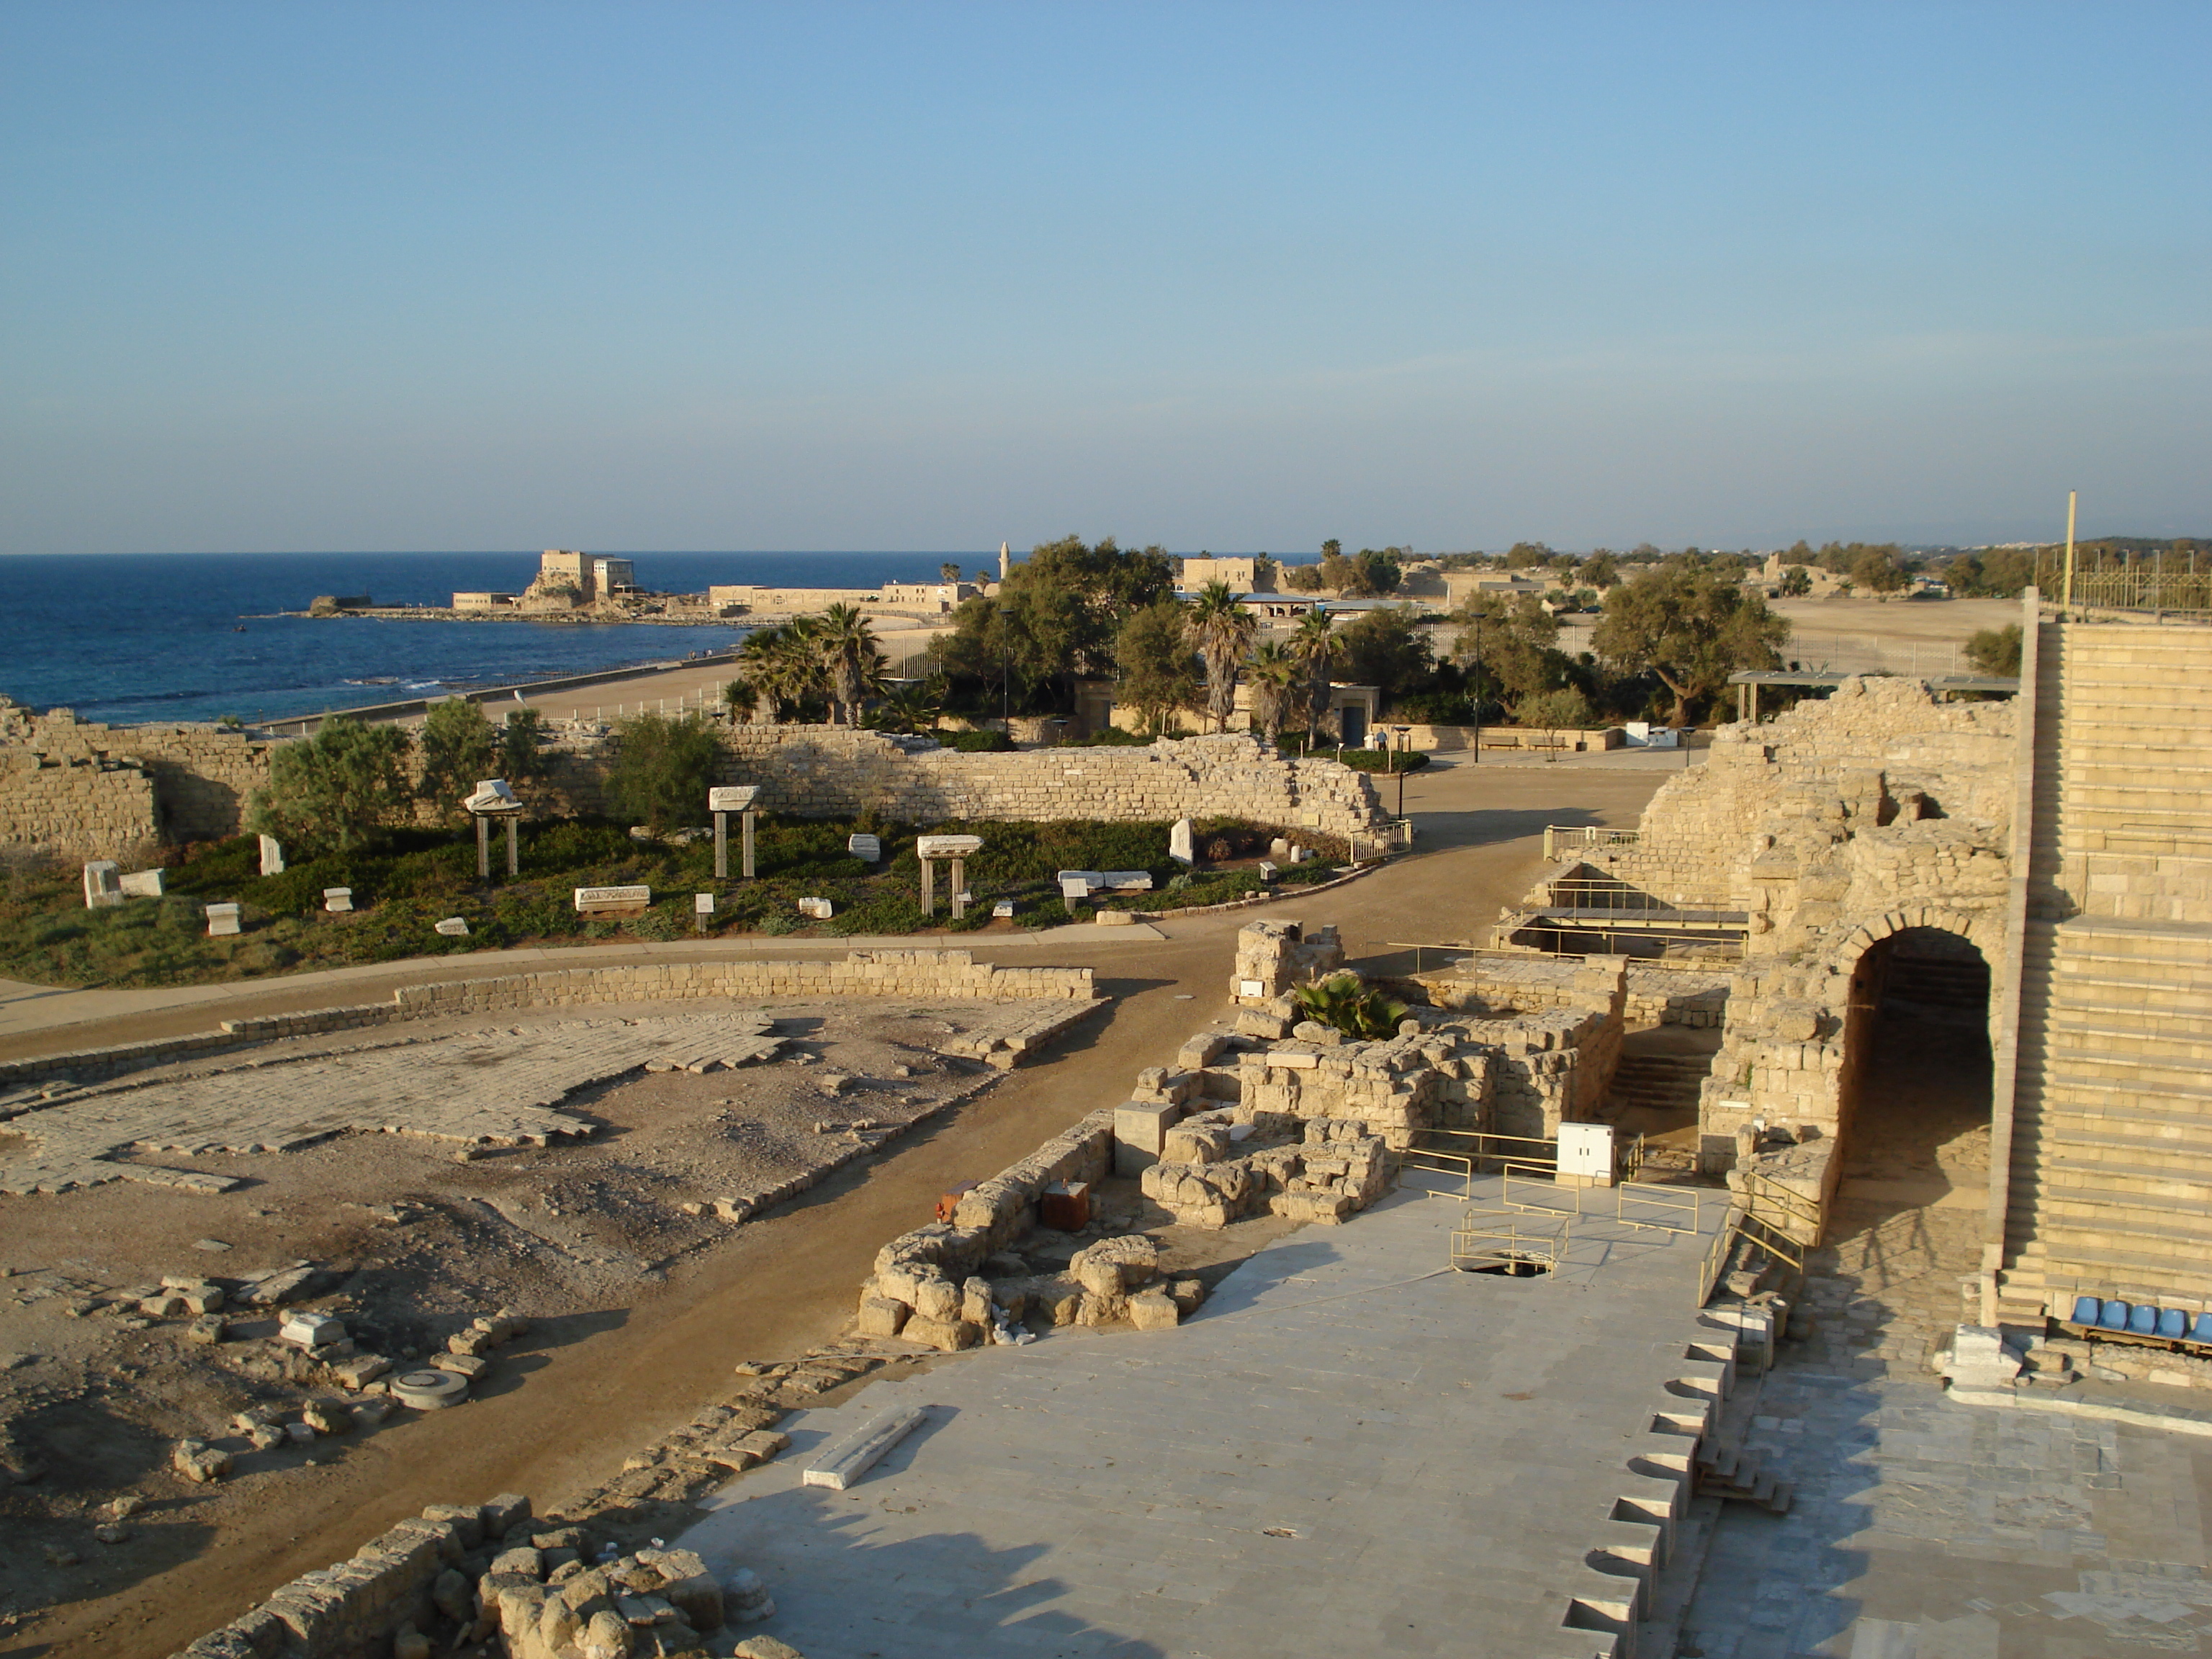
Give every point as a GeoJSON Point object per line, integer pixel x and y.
{"type": "Point", "coordinates": [331, 276]}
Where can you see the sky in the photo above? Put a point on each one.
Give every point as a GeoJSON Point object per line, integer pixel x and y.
{"type": "Point", "coordinates": [319, 277]}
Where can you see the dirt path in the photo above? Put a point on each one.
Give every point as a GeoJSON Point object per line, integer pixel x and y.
{"type": "Point", "coordinates": [788, 1281]}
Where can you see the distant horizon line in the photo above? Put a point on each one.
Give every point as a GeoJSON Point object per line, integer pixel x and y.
{"type": "Point", "coordinates": [986, 553]}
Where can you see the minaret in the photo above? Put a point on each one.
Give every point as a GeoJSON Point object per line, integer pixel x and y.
{"type": "Point", "coordinates": [1005, 559]}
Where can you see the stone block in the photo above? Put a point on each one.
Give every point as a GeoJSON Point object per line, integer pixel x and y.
{"type": "Point", "coordinates": [1154, 1310]}
{"type": "Point", "coordinates": [844, 1461]}
{"type": "Point", "coordinates": [946, 1336]}
{"type": "Point", "coordinates": [881, 1316]}
{"type": "Point", "coordinates": [1141, 1129]}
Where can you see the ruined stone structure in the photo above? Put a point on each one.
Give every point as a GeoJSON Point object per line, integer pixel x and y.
{"type": "Point", "coordinates": [827, 771]}
{"type": "Point", "coordinates": [75, 790]}
{"type": "Point", "coordinates": [2038, 865]}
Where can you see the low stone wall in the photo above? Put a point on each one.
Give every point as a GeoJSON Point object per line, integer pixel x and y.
{"type": "Point", "coordinates": [822, 771]}
{"type": "Point", "coordinates": [1660, 995]}
{"type": "Point", "coordinates": [354, 1610]}
{"type": "Point", "coordinates": [1448, 739]}
{"type": "Point", "coordinates": [75, 790]}
{"type": "Point", "coordinates": [912, 976]}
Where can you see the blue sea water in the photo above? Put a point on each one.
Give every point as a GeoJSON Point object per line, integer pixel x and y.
{"type": "Point", "coordinates": [193, 636]}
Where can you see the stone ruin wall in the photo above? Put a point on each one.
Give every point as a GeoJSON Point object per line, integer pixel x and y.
{"type": "Point", "coordinates": [1838, 825]}
{"type": "Point", "coordinates": [826, 771]}
{"type": "Point", "coordinates": [75, 790]}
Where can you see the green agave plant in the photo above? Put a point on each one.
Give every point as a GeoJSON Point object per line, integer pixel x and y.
{"type": "Point", "coordinates": [1358, 1010]}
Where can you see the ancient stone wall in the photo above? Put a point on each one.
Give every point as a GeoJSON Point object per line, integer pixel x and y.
{"type": "Point", "coordinates": [822, 771]}
{"type": "Point", "coordinates": [1833, 827]}
{"type": "Point", "coordinates": [76, 790]}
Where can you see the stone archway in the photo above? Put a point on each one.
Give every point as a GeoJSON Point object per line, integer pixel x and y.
{"type": "Point", "coordinates": [1915, 1119]}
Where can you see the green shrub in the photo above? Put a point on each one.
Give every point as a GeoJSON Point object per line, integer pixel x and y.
{"type": "Point", "coordinates": [1378, 759]}
{"type": "Point", "coordinates": [334, 790]}
{"type": "Point", "coordinates": [662, 770]}
{"type": "Point", "coordinates": [978, 743]}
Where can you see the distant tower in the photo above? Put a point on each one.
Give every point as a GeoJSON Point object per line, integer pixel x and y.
{"type": "Point", "coordinates": [1005, 559]}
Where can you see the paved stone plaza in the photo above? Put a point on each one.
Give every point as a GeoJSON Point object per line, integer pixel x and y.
{"type": "Point", "coordinates": [500, 1087]}
{"type": "Point", "coordinates": [1351, 1448]}
{"type": "Point", "coordinates": [1926, 1529]}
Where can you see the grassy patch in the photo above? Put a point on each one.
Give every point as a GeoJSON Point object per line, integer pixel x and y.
{"type": "Point", "coordinates": [407, 880]}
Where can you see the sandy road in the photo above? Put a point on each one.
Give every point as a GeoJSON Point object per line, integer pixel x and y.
{"type": "Point", "coordinates": [788, 1281]}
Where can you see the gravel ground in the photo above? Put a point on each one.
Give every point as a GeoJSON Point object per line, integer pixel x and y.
{"type": "Point", "coordinates": [411, 1246]}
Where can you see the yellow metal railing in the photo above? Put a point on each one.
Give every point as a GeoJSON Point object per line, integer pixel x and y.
{"type": "Point", "coordinates": [1558, 837]}
{"type": "Point", "coordinates": [1492, 1238]}
{"type": "Point", "coordinates": [1786, 1211]}
{"type": "Point", "coordinates": [1676, 1210]}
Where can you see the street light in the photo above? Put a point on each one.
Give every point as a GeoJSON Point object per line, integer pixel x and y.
{"type": "Point", "coordinates": [1474, 683]}
{"type": "Point", "coordinates": [1404, 732]}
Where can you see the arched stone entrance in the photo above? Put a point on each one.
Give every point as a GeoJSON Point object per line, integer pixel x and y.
{"type": "Point", "coordinates": [1915, 1096]}
{"type": "Point", "coordinates": [1915, 1115]}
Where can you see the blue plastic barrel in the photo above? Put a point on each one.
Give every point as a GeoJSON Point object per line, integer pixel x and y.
{"type": "Point", "coordinates": [2115, 1316]}
{"type": "Point", "coordinates": [2143, 1322]}
{"type": "Point", "coordinates": [2084, 1309]}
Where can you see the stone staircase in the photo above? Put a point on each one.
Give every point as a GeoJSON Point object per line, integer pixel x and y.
{"type": "Point", "coordinates": [1665, 1083]}
{"type": "Point", "coordinates": [2112, 1155]}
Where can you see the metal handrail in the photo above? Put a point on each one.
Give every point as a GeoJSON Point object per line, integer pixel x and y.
{"type": "Point", "coordinates": [1667, 1200]}
{"type": "Point", "coordinates": [1585, 835]}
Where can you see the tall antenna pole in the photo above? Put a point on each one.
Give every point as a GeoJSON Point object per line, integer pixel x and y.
{"type": "Point", "coordinates": [2066, 600]}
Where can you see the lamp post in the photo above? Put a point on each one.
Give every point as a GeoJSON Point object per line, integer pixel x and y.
{"type": "Point", "coordinates": [1404, 732]}
{"type": "Point", "coordinates": [1475, 683]}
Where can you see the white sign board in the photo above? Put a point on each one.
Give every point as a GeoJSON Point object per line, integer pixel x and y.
{"type": "Point", "coordinates": [1586, 1149]}
{"type": "Point", "coordinates": [737, 799]}
{"type": "Point", "coordinates": [703, 904]}
{"type": "Point", "coordinates": [869, 849]}
{"type": "Point", "coordinates": [948, 847]}
{"type": "Point", "coordinates": [594, 900]}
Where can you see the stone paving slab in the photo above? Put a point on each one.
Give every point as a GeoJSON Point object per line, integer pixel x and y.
{"type": "Point", "coordinates": [500, 1087]}
{"type": "Point", "coordinates": [1927, 1526]}
{"type": "Point", "coordinates": [1351, 1449]}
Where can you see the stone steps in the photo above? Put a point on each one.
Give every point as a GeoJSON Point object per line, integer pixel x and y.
{"type": "Point", "coordinates": [2112, 1102]}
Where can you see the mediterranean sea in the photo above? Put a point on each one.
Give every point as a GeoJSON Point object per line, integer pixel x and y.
{"type": "Point", "coordinates": [192, 637]}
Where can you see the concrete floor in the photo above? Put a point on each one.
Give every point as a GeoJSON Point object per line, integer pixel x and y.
{"type": "Point", "coordinates": [1351, 1448]}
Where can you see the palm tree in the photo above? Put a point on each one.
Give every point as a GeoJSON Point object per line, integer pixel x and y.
{"type": "Point", "coordinates": [911, 707]}
{"type": "Point", "coordinates": [1309, 645]}
{"type": "Point", "coordinates": [1223, 629]}
{"type": "Point", "coordinates": [782, 666]}
{"type": "Point", "coordinates": [1274, 675]}
{"type": "Point", "coordinates": [850, 658]}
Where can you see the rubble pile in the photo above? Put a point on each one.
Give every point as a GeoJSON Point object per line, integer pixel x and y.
{"type": "Point", "coordinates": [490, 1574]}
